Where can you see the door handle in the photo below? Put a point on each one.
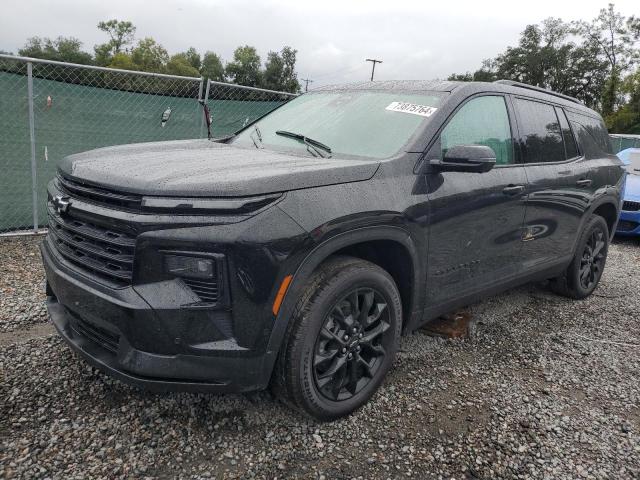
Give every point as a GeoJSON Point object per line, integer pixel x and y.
{"type": "Point", "coordinates": [584, 182]}
{"type": "Point", "coordinates": [513, 189]}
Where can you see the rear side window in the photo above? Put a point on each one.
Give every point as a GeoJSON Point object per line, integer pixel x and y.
{"type": "Point", "coordinates": [588, 143]}
{"type": "Point", "coordinates": [595, 128]}
{"type": "Point", "coordinates": [481, 121]}
{"type": "Point", "coordinates": [540, 133]}
{"type": "Point", "coordinates": [567, 135]}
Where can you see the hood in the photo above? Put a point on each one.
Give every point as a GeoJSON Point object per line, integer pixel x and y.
{"type": "Point", "coordinates": [205, 168]}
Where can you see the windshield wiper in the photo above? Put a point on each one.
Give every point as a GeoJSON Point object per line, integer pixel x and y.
{"type": "Point", "coordinates": [309, 142]}
{"type": "Point", "coordinates": [257, 132]}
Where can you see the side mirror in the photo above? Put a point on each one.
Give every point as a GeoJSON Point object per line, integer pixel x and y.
{"type": "Point", "coordinates": [466, 158]}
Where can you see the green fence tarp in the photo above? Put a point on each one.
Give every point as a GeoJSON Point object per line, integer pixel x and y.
{"type": "Point", "coordinates": [71, 118]}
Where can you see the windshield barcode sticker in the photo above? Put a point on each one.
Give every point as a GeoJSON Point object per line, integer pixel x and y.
{"type": "Point", "coordinates": [404, 107]}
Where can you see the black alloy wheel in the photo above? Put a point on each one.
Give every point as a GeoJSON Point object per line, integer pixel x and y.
{"type": "Point", "coordinates": [342, 340]}
{"type": "Point", "coordinates": [583, 274]}
{"type": "Point", "coordinates": [592, 261]}
{"type": "Point", "coordinates": [351, 344]}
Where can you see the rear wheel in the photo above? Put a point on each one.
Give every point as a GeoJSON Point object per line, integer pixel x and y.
{"type": "Point", "coordinates": [342, 341]}
{"type": "Point", "coordinates": [583, 274]}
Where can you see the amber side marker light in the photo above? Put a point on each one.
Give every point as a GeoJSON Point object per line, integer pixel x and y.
{"type": "Point", "coordinates": [280, 296]}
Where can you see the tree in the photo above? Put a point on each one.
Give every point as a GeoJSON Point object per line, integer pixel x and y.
{"type": "Point", "coordinates": [461, 77]}
{"type": "Point", "coordinates": [212, 68]}
{"type": "Point", "coordinates": [102, 54]}
{"type": "Point", "coordinates": [547, 56]}
{"type": "Point", "coordinates": [123, 61]}
{"type": "Point", "coordinates": [486, 73]}
{"type": "Point", "coordinates": [120, 34]}
{"type": "Point", "coordinates": [245, 67]}
{"type": "Point", "coordinates": [627, 118]}
{"type": "Point", "coordinates": [149, 56]}
{"type": "Point", "coordinates": [186, 63]}
{"type": "Point", "coordinates": [633, 24]}
{"type": "Point", "coordinates": [279, 73]}
{"type": "Point", "coordinates": [62, 49]}
{"type": "Point", "coordinates": [273, 72]}
{"type": "Point", "coordinates": [193, 58]}
{"type": "Point", "coordinates": [525, 63]}
{"type": "Point", "coordinates": [613, 37]}
{"type": "Point", "coordinates": [179, 64]}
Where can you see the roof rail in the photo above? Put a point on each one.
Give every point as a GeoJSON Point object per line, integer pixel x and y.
{"type": "Point", "coordinates": [538, 89]}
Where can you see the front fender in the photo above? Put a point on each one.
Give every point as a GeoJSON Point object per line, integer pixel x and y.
{"type": "Point", "coordinates": [320, 253]}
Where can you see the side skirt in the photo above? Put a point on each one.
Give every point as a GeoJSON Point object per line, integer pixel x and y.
{"type": "Point", "coordinates": [541, 273]}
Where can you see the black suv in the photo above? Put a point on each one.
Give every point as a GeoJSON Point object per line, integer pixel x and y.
{"type": "Point", "coordinates": [295, 253]}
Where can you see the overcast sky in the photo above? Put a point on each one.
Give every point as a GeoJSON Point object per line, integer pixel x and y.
{"type": "Point", "coordinates": [415, 39]}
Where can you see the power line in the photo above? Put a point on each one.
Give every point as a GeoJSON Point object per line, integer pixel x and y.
{"type": "Point", "coordinates": [373, 65]}
{"type": "Point", "coordinates": [306, 83]}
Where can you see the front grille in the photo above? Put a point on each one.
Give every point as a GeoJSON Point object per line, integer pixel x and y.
{"type": "Point", "coordinates": [207, 290]}
{"type": "Point", "coordinates": [99, 195]}
{"type": "Point", "coordinates": [630, 206]}
{"type": "Point", "coordinates": [96, 334]}
{"type": "Point", "coordinates": [106, 252]}
{"type": "Point", "coordinates": [627, 226]}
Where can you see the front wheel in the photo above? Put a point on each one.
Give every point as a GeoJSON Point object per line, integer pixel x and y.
{"type": "Point", "coordinates": [583, 274]}
{"type": "Point", "coordinates": [343, 339]}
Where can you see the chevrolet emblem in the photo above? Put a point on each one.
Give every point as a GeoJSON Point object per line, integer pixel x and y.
{"type": "Point", "coordinates": [61, 203]}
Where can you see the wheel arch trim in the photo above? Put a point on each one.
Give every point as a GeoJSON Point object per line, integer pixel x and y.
{"type": "Point", "coordinates": [608, 198]}
{"type": "Point", "coordinates": [319, 254]}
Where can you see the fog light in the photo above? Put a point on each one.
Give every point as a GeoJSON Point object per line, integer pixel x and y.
{"type": "Point", "coordinates": [191, 267]}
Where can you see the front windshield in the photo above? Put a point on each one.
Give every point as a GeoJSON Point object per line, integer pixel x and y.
{"type": "Point", "coordinates": [352, 123]}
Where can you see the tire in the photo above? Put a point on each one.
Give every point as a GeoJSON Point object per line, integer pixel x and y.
{"type": "Point", "coordinates": [582, 276]}
{"type": "Point", "coordinates": [321, 373]}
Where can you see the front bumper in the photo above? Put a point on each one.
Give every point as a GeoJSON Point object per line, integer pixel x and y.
{"type": "Point", "coordinates": [629, 223]}
{"type": "Point", "coordinates": [100, 324]}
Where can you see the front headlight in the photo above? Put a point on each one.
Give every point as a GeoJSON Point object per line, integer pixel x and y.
{"type": "Point", "coordinates": [190, 267]}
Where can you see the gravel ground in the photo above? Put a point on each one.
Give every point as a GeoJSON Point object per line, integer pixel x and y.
{"type": "Point", "coordinates": [21, 284]}
{"type": "Point", "coordinates": [548, 388]}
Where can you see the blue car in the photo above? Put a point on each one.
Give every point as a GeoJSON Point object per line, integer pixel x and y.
{"type": "Point", "coordinates": [629, 223]}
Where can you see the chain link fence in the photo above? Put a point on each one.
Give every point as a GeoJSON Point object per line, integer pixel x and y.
{"type": "Point", "coordinates": [51, 109]}
{"type": "Point", "coordinates": [233, 107]}
{"type": "Point", "coordinates": [15, 149]}
{"type": "Point", "coordinates": [622, 142]}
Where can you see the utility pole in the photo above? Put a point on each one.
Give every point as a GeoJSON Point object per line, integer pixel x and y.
{"type": "Point", "coordinates": [306, 83]}
{"type": "Point", "coordinates": [373, 65]}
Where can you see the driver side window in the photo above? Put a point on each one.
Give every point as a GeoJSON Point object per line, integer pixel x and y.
{"type": "Point", "coordinates": [481, 121]}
